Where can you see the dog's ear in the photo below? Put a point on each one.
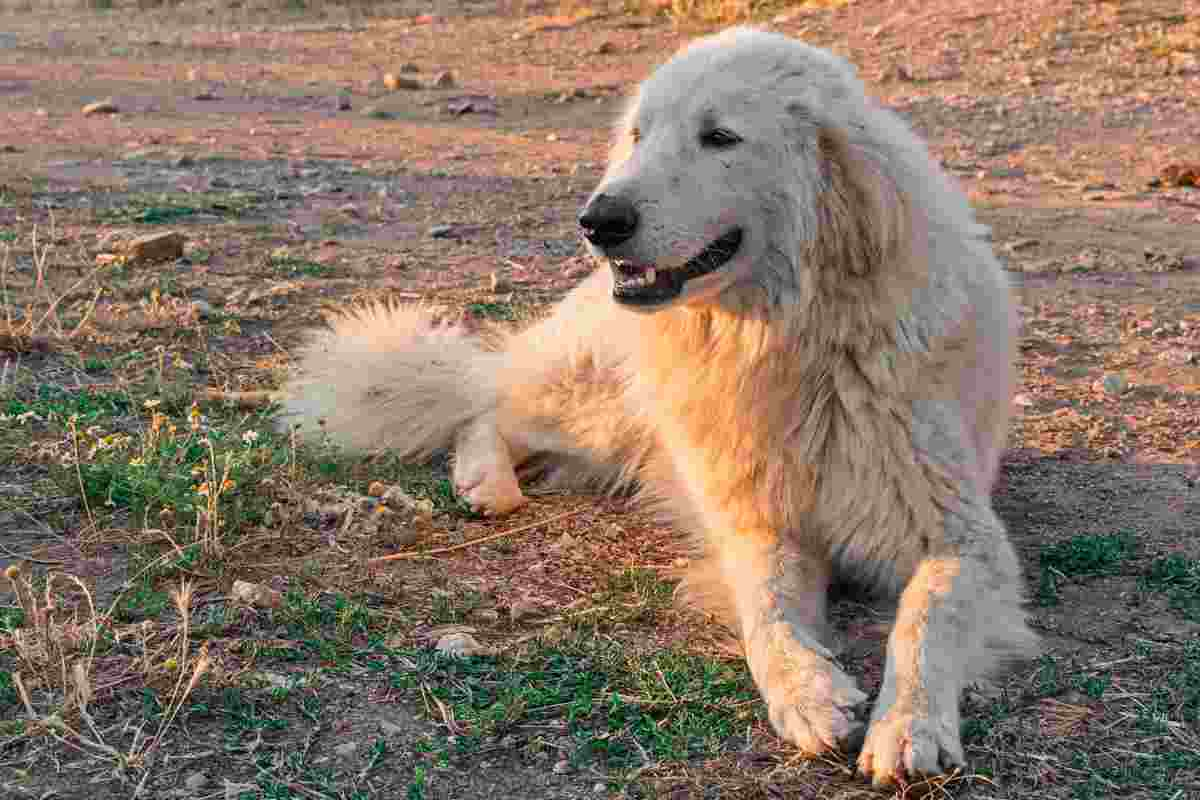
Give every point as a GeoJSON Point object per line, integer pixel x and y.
{"type": "Point", "coordinates": [865, 221]}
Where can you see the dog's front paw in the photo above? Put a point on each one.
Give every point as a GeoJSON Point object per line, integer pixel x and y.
{"type": "Point", "coordinates": [810, 701]}
{"type": "Point", "coordinates": [903, 744]}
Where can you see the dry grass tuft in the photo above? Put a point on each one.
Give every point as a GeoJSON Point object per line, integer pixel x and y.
{"type": "Point", "coordinates": [56, 650]}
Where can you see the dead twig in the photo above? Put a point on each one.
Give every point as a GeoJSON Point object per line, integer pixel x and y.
{"type": "Point", "coordinates": [480, 540]}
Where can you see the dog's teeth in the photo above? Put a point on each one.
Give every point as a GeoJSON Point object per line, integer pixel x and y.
{"type": "Point", "coordinates": [649, 277]}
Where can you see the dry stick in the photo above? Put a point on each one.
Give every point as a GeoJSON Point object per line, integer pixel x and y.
{"type": "Point", "coordinates": [480, 540]}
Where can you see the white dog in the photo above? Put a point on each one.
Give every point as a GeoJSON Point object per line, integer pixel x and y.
{"type": "Point", "coordinates": [800, 343]}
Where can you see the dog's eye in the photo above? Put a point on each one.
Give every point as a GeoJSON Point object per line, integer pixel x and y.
{"type": "Point", "coordinates": [719, 138]}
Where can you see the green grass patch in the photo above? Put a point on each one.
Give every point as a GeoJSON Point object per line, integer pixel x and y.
{"type": "Point", "coordinates": [287, 266]}
{"type": "Point", "coordinates": [141, 602]}
{"type": "Point", "coordinates": [11, 618]}
{"type": "Point", "coordinates": [165, 209]}
{"type": "Point", "coordinates": [501, 312]}
{"type": "Point", "coordinates": [49, 402]}
{"type": "Point", "coordinates": [1089, 554]}
{"type": "Point", "coordinates": [1081, 556]}
{"type": "Point", "coordinates": [8, 690]}
{"type": "Point", "coordinates": [1179, 577]}
{"type": "Point", "coordinates": [617, 706]}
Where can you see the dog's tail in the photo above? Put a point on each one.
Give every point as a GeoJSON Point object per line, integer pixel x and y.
{"type": "Point", "coordinates": [387, 375]}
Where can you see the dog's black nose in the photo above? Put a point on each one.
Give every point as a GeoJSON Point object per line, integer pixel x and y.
{"type": "Point", "coordinates": [607, 221]}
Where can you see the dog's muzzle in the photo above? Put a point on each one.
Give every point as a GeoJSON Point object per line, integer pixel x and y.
{"type": "Point", "coordinates": [644, 285]}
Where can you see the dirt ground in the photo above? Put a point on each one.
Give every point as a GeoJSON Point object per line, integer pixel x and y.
{"type": "Point", "coordinates": [267, 137]}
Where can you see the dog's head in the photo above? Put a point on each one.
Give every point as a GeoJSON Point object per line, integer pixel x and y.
{"type": "Point", "coordinates": [737, 164]}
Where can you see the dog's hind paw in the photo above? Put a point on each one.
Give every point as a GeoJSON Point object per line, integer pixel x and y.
{"type": "Point", "coordinates": [903, 745]}
{"type": "Point", "coordinates": [491, 495]}
{"type": "Point", "coordinates": [484, 476]}
{"type": "Point", "coordinates": [810, 701]}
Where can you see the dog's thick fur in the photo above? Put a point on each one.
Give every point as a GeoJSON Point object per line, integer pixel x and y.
{"type": "Point", "coordinates": [830, 403]}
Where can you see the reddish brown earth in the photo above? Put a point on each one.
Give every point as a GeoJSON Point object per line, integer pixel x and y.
{"type": "Point", "coordinates": [1072, 125]}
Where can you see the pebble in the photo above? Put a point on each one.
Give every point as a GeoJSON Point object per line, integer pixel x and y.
{"type": "Point", "coordinates": [444, 80]}
{"type": "Point", "coordinates": [343, 102]}
{"type": "Point", "coordinates": [441, 231]}
{"type": "Point", "coordinates": [101, 107]}
{"type": "Point", "coordinates": [394, 82]}
{"type": "Point", "coordinates": [523, 609]}
{"type": "Point", "coordinates": [460, 645]}
{"type": "Point", "coordinates": [1114, 384]}
{"type": "Point", "coordinates": [196, 781]}
{"type": "Point", "coordinates": [157, 247]}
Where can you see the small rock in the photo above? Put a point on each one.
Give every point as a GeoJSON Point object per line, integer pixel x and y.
{"type": "Point", "coordinates": [471, 105]}
{"type": "Point", "coordinates": [343, 102]}
{"type": "Point", "coordinates": [552, 137]}
{"type": "Point", "coordinates": [235, 790]}
{"type": "Point", "coordinates": [409, 68]}
{"type": "Point", "coordinates": [203, 308]}
{"type": "Point", "coordinates": [184, 161]}
{"type": "Point", "coordinates": [157, 247]}
{"type": "Point", "coordinates": [441, 231]}
{"type": "Point", "coordinates": [486, 615]}
{"type": "Point", "coordinates": [1114, 384]}
{"type": "Point", "coordinates": [196, 781]}
{"type": "Point", "coordinates": [1017, 245]}
{"type": "Point", "coordinates": [394, 82]}
{"type": "Point", "coordinates": [605, 48]}
{"type": "Point", "coordinates": [346, 750]}
{"type": "Point", "coordinates": [562, 767]}
{"type": "Point", "coordinates": [255, 594]}
{"type": "Point", "coordinates": [599, 787]}
{"type": "Point", "coordinates": [101, 107]}
{"type": "Point", "coordinates": [444, 80]}
{"type": "Point", "coordinates": [204, 96]}
{"type": "Point", "coordinates": [392, 729]}
{"type": "Point", "coordinates": [460, 645]}
{"type": "Point", "coordinates": [523, 609]}
{"type": "Point", "coordinates": [500, 284]}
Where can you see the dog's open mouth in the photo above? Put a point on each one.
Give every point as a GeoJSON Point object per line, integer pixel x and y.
{"type": "Point", "coordinates": [643, 285]}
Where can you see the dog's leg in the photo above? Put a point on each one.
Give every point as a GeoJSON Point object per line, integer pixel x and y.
{"type": "Point", "coordinates": [951, 606]}
{"type": "Point", "coordinates": [485, 468]}
{"type": "Point", "coordinates": [779, 594]}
